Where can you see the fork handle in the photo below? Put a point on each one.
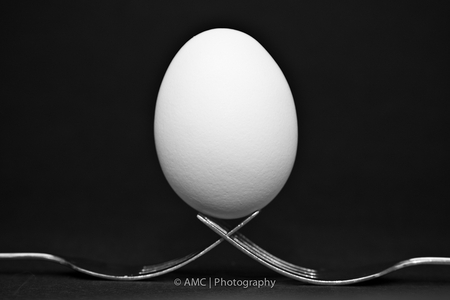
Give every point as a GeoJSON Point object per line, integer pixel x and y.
{"type": "Point", "coordinates": [32, 255]}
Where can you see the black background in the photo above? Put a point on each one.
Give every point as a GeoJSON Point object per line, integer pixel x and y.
{"type": "Point", "coordinates": [79, 173]}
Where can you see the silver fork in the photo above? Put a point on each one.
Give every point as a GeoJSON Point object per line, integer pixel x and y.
{"type": "Point", "coordinates": [319, 277]}
{"type": "Point", "coordinates": [119, 272]}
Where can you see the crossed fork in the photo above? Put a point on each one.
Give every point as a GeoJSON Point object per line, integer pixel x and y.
{"type": "Point", "coordinates": [237, 239]}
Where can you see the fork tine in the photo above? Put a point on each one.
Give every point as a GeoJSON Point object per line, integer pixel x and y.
{"type": "Point", "coordinates": [178, 262]}
{"type": "Point", "coordinates": [167, 264]}
{"type": "Point", "coordinates": [273, 259]}
{"type": "Point", "coordinates": [244, 239]}
{"type": "Point", "coordinates": [257, 253]}
{"type": "Point", "coordinates": [240, 238]}
{"type": "Point", "coordinates": [302, 270]}
{"type": "Point", "coordinates": [244, 247]}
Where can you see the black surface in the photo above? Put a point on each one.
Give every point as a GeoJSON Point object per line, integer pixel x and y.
{"type": "Point", "coordinates": [78, 168]}
{"type": "Point", "coordinates": [43, 281]}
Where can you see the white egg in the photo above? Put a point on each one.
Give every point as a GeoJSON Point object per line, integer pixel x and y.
{"type": "Point", "coordinates": [225, 124]}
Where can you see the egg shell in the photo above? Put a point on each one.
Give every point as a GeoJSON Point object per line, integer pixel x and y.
{"type": "Point", "coordinates": [225, 124]}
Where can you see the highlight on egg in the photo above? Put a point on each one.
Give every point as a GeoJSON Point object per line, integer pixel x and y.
{"type": "Point", "coordinates": [225, 124]}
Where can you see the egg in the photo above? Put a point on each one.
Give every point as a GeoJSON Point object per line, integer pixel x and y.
{"type": "Point", "coordinates": [225, 124]}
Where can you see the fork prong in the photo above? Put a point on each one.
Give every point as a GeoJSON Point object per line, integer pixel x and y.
{"type": "Point", "coordinates": [188, 258]}
{"type": "Point", "coordinates": [302, 270]}
{"type": "Point", "coordinates": [273, 259]}
{"type": "Point", "coordinates": [256, 252]}
{"type": "Point", "coordinates": [165, 265]}
{"type": "Point", "coordinates": [243, 240]}
{"type": "Point", "coordinates": [240, 238]}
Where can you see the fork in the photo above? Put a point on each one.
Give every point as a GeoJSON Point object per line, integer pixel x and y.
{"type": "Point", "coordinates": [318, 277]}
{"type": "Point", "coordinates": [120, 272]}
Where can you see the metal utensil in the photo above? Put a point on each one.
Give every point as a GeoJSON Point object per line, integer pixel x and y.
{"type": "Point", "coordinates": [115, 271]}
{"type": "Point", "coordinates": [320, 277]}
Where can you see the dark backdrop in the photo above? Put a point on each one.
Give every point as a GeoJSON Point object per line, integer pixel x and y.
{"type": "Point", "coordinates": [79, 171]}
